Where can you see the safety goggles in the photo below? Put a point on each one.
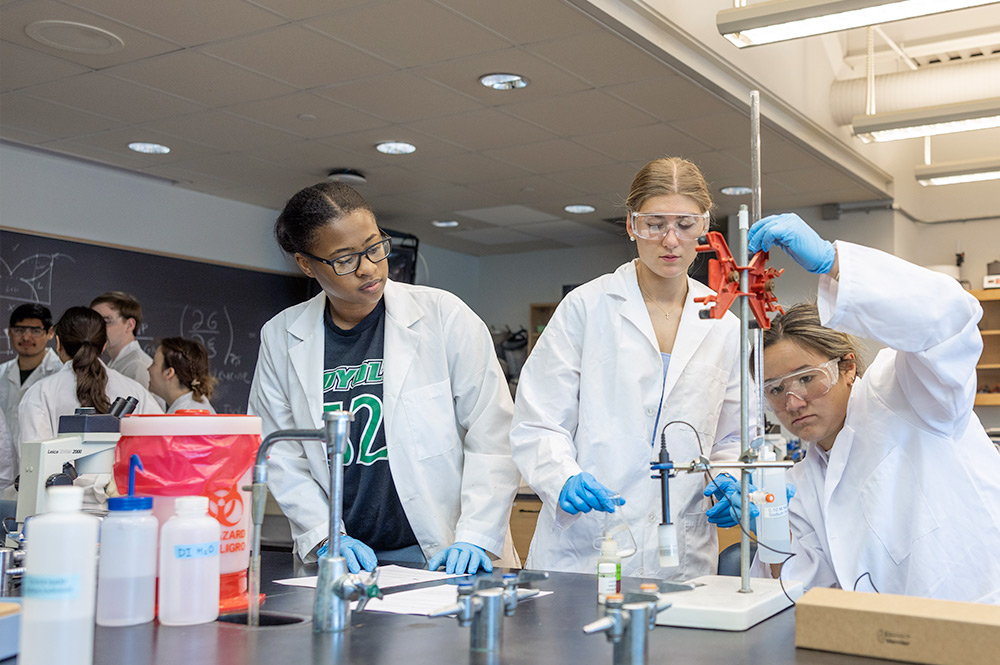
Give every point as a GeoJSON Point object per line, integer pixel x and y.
{"type": "Point", "coordinates": [28, 331]}
{"type": "Point", "coordinates": [655, 225]}
{"type": "Point", "coordinates": [348, 263]}
{"type": "Point", "coordinates": [806, 384]}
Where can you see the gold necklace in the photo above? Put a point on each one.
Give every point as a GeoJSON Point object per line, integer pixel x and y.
{"type": "Point", "coordinates": [648, 299]}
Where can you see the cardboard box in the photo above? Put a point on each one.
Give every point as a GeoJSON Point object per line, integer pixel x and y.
{"type": "Point", "coordinates": [991, 281]}
{"type": "Point", "coordinates": [10, 624]}
{"type": "Point", "coordinates": [903, 628]}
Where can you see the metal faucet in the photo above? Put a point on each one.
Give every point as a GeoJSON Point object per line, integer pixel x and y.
{"type": "Point", "coordinates": [335, 586]}
{"type": "Point", "coordinates": [11, 568]}
{"type": "Point", "coordinates": [483, 604]}
{"type": "Point", "coordinates": [627, 620]}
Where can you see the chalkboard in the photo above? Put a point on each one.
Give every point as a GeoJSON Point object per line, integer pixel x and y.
{"type": "Point", "coordinates": [224, 307]}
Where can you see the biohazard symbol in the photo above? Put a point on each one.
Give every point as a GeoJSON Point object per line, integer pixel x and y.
{"type": "Point", "coordinates": [226, 506]}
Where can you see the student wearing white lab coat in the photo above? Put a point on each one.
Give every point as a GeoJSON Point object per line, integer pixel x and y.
{"type": "Point", "coordinates": [29, 332]}
{"type": "Point", "coordinates": [83, 379]}
{"type": "Point", "coordinates": [900, 489]}
{"type": "Point", "coordinates": [180, 375]}
{"type": "Point", "coordinates": [443, 476]}
{"type": "Point", "coordinates": [623, 356]}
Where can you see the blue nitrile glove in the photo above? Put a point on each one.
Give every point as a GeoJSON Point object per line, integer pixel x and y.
{"type": "Point", "coordinates": [793, 235]}
{"type": "Point", "coordinates": [462, 558]}
{"type": "Point", "coordinates": [582, 493]}
{"type": "Point", "coordinates": [358, 554]}
{"type": "Point", "coordinates": [726, 513]}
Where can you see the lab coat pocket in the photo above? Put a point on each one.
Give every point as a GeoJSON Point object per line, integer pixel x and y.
{"type": "Point", "coordinates": [430, 419]}
{"type": "Point", "coordinates": [895, 507]}
{"type": "Point", "coordinates": [698, 547]}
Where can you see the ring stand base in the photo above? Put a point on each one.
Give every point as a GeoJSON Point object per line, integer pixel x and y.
{"type": "Point", "coordinates": [717, 604]}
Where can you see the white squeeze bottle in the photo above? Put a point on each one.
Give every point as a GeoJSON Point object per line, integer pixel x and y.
{"type": "Point", "coordinates": [189, 564]}
{"type": "Point", "coordinates": [609, 570]}
{"type": "Point", "coordinates": [773, 535]}
{"type": "Point", "coordinates": [60, 571]}
{"type": "Point", "coordinates": [126, 572]}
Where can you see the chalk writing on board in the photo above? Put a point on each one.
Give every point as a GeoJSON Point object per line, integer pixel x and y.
{"type": "Point", "coordinates": [30, 279]}
{"type": "Point", "coordinates": [214, 329]}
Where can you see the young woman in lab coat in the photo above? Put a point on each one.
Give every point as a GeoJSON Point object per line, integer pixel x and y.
{"type": "Point", "coordinates": [181, 376]}
{"type": "Point", "coordinates": [900, 489]}
{"type": "Point", "coordinates": [84, 379]}
{"type": "Point", "coordinates": [622, 356]}
{"type": "Point", "coordinates": [429, 473]}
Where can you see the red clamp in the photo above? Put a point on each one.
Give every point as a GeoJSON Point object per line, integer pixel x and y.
{"type": "Point", "coordinates": [724, 279]}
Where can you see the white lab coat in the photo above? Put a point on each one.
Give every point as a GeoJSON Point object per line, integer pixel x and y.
{"type": "Point", "coordinates": [587, 400]}
{"type": "Point", "coordinates": [55, 396]}
{"type": "Point", "coordinates": [11, 392]}
{"type": "Point", "coordinates": [133, 362]}
{"type": "Point", "coordinates": [447, 414]}
{"type": "Point", "coordinates": [188, 401]}
{"type": "Point", "coordinates": [910, 492]}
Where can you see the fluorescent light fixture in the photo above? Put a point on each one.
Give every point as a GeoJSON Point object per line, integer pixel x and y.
{"type": "Point", "coordinates": [736, 190]}
{"type": "Point", "coordinates": [503, 81]}
{"type": "Point", "coordinates": [928, 121]}
{"type": "Point", "coordinates": [395, 148]}
{"type": "Point", "coordinates": [445, 223]}
{"type": "Point", "coordinates": [149, 148]}
{"type": "Point", "coordinates": [950, 173]}
{"type": "Point", "coordinates": [579, 208]}
{"type": "Point", "coordinates": [780, 20]}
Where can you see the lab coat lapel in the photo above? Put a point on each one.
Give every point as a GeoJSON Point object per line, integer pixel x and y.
{"type": "Point", "coordinates": [307, 336]}
{"type": "Point", "coordinates": [401, 342]}
{"type": "Point", "coordinates": [633, 309]}
{"type": "Point", "coordinates": [690, 334]}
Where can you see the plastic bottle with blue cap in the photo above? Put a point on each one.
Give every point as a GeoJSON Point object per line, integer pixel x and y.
{"type": "Point", "coordinates": [126, 575]}
{"type": "Point", "coordinates": [189, 564]}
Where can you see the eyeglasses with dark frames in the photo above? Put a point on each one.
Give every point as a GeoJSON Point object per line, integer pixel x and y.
{"type": "Point", "coordinates": [348, 263]}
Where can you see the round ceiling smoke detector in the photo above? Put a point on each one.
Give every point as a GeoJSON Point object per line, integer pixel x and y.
{"type": "Point", "coordinates": [347, 176]}
{"type": "Point", "coordinates": [74, 37]}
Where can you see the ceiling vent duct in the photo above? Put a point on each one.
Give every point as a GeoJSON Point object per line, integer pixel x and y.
{"type": "Point", "coordinates": [931, 86]}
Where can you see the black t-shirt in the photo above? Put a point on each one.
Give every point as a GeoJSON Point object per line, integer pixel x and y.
{"type": "Point", "coordinates": [352, 381]}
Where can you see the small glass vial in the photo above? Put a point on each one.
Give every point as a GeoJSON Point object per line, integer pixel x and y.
{"type": "Point", "coordinates": [189, 564]}
{"type": "Point", "coordinates": [609, 571]}
{"type": "Point", "coordinates": [60, 571]}
{"type": "Point", "coordinates": [126, 573]}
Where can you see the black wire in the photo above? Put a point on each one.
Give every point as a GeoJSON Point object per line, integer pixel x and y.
{"type": "Point", "coordinates": [870, 581]}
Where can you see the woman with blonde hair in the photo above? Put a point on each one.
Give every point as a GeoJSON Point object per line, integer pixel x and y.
{"type": "Point", "coordinates": [623, 356]}
{"type": "Point", "coordinates": [180, 375]}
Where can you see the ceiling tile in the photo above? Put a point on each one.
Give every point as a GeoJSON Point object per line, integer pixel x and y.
{"type": "Point", "coordinates": [224, 131]}
{"type": "Point", "coordinates": [217, 83]}
{"type": "Point", "coordinates": [593, 112]}
{"type": "Point", "coordinates": [455, 196]}
{"type": "Point", "coordinates": [564, 231]}
{"type": "Point", "coordinates": [116, 142]}
{"type": "Point", "coordinates": [409, 32]}
{"type": "Point", "coordinates": [187, 22]}
{"type": "Point", "coordinates": [138, 44]}
{"type": "Point", "coordinates": [814, 180]}
{"type": "Point", "coordinates": [525, 21]}
{"type": "Point", "coordinates": [298, 9]}
{"type": "Point", "coordinates": [607, 185]}
{"type": "Point", "coordinates": [529, 190]}
{"type": "Point", "coordinates": [507, 215]}
{"type": "Point", "coordinates": [468, 168]}
{"type": "Point", "coordinates": [327, 118]}
{"type": "Point", "coordinates": [399, 97]}
{"type": "Point", "coordinates": [723, 129]}
{"type": "Point", "coordinates": [669, 97]}
{"type": "Point", "coordinates": [495, 236]}
{"type": "Point", "coordinates": [363, 143]}
{"type": "Point", "coordinates": [481, 129]}
{"type": "Point", "coordinates": [644, 143]}
{"type": "Point", "coordinates": [21, 67]}
{"type": "Point", "coordinates": [312, 156]}
{"type": "Point", "coordinates": [545, 156]}
{"type": "Point", "coordinates": [602, 58]}
{"type": "Point", "coordinates": [37, 115]}
{"type": "Point", "coordinates": [115, 98]}
{"type": "Point", "coordinates": [300, 57]}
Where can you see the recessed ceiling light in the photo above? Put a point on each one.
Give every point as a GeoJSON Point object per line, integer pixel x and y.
{"type": "Point", "coordinates": [306, 116]}
{"type": "Point", "coordinates": [579, 208]}
{"type": "Point", "coordinates": [74, 37]}
{"type": "Point", "coordinates": [149, 148]}
{"type": "Point", "coordinates": [445, 224]}
{"type": "Point", "coordinates": [347, 176]}
{"type": "Point", "coordinates": [736, 190]}
{"type": "Point", "coordinates": [503, 81]}
{"type": "Point", "coordinates": [395, 148]}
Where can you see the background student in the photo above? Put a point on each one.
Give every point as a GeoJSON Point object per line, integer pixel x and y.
{"type": "Point", "coordinates": [180, 375]}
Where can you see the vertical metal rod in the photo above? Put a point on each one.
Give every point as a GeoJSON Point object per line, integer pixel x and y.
{"type": "Point", "coordinates": [335, 423]}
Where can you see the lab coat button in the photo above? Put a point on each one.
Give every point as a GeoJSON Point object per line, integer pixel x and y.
{"type": "Point", "coordinates": [651, 517]}
{"type": "Point", "coordinates": [650, 412]}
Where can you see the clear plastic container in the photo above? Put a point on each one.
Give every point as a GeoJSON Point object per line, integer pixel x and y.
{"type": "Point", "coordinates": [126, 573]}
{"type": "Point", "coordinates": [57, 622]}
{"type": "Point", "coordinates": [773, 535]}
{"type": "Point", "coordinates": [609, 571]}
{"type": "Point", "coordinates": [189, 564]}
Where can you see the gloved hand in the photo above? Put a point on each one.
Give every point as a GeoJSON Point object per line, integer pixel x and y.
{"type": "Point", "coordinates": [582, 493]}
{"type": "Point", "coordinates": [462, 558]}
{"type": "Point", "coordinates": [358, 554]}
{"type": "Point", "coordinates": [799, 241]}
{"type": "Point", "coordinates": [726, 513]}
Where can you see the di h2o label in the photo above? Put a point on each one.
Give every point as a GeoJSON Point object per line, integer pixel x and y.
{"type": "Point", "coordinates": [196, 550]}
{"type": "Point", "coordinates": [51, 587]}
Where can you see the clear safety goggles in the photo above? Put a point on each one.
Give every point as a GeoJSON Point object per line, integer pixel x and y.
{"type": "Point", "coordinates": [655, 225]}
{"type": "Point", "coordinates": [806, 384]}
